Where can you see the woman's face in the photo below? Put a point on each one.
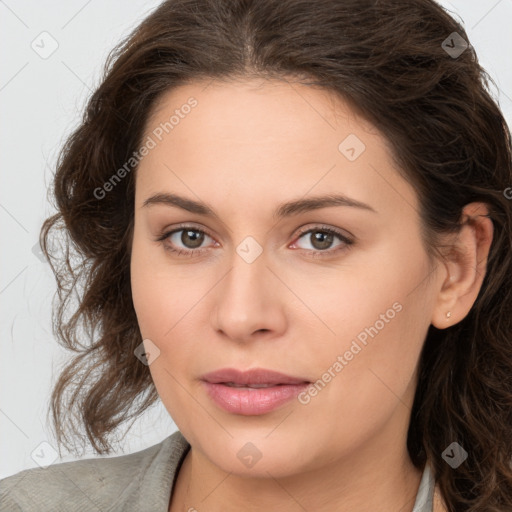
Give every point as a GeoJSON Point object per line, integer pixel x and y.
{"type": "Point", "coordinates": [261, 285]}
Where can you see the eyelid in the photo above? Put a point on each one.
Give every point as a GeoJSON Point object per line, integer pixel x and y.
{"type": "Point", "coordinates": [345, 235]}
{"type": "Point", "coordinates": [166, 232]}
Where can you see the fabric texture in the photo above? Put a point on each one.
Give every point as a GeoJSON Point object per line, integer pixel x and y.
{"type": "Point", "coordinates": [138, 482]}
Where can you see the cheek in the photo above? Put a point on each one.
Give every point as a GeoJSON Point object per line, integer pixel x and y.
{"type": "Point", "coordinates": [160, 296]}
{"type": "Point", "coordinates": [147, 298]}
{"type": "Point", "coordinates": [363, 384]}
{"type": "Point", "coordinates": [372, 295]}
{"type": "Point", "coordinates": [161, 306]}
{"type": "Point", "coordinates": [377, 347]}
{"type": "Point", "coordinates": [167, 301]}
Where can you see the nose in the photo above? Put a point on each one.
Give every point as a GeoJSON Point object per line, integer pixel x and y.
{"type": "Point", "coordinates": [249, 302]}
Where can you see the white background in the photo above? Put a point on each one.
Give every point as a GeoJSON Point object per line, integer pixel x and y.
{"type": "Point", "coordinates": [41, 101]}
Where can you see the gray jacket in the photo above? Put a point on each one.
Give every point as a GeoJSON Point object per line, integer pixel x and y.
{"type": "Point", "coordinates": [138, 482]}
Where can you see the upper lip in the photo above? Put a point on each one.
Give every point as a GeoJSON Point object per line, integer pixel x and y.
{"type": "Point", "coordinates": [249, 377]}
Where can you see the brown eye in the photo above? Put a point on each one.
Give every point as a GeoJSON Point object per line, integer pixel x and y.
{"type": "Point", "coordinates": [191, 238]}
{"type": "Point", "coordinates": [185, 241]}
{"type": "Point", "coordinates": [321, 240]}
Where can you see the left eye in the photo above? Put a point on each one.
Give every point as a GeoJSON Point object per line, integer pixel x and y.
{"type": "Point", "coordinates": [322, 239]}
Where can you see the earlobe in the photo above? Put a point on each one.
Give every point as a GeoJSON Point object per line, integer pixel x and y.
{"type": "Point", "coordinates": [465, 265]}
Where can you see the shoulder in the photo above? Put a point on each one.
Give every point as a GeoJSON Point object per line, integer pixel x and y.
{"type": "Point", "coordinates": [97, 484]}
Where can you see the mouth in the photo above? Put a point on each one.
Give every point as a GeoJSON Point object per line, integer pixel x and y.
{"type": "Point", "coordinates": [254, 378]}
{"type": "Point", "coordinates": [253, 386]}
{"type": "Point", "coordinates": [253, 392]}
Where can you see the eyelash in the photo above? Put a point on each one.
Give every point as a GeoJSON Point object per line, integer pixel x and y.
{"type": "Point", "coordinates": [347, 242]}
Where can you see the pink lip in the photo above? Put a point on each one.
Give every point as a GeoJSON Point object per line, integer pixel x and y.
{"type": "Point", "coordinates": [251, 401]}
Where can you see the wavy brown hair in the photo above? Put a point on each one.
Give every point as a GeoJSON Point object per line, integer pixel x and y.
{"type": "Point", "coordinates": [445, 130]}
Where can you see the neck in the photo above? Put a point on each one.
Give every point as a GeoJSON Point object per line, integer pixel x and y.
{"type": "Point", "coordinates": [370, 479]}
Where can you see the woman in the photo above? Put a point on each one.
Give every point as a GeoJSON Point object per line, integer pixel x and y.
{"type": "Point", "coordinates": [294, 230]}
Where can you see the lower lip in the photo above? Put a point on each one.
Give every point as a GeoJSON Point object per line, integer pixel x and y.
{"type": "Point", "coordinates": [252, 401]}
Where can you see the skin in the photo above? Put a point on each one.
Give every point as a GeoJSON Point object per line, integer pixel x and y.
{"type": "Point", "coordinates": [244, 149]}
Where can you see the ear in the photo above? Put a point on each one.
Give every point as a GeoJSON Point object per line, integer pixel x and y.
{"type": "Point", "coordinates": [466, 264]}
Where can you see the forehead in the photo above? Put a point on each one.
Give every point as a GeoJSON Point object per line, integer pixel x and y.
{"type": "Point", "coordinates": [258, 110]}
{"type": "Point", "coordinates": [266, 139]}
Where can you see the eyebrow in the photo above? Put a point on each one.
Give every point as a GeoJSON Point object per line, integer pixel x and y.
{"type": "Point", "coordinates": [287, 209]}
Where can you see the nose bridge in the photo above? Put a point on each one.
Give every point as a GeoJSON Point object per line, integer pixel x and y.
{"type": "Point", "coordinates": [245, 286]}
{"type": "Point", "coordinates": [246, 301]}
